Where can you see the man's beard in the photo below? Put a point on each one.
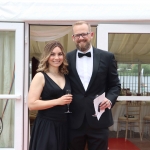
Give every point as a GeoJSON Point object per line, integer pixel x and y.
{"type": "Point", "coordinates": [83, 48]}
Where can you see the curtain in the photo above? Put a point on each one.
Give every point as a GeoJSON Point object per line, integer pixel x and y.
{"type": "Point", "coordinates": [7, 53]}
{"type": "Point", "coordinates": [130, 47]}
{"type": "Point", "coordinates": [40, 35]}
{"type": "Point", "coordinates": [48, 33]}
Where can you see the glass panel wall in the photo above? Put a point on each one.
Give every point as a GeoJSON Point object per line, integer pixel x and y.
{"type": "Point", "coordinates": [132, 52]}
{"type": "Point", "coordinates": [37, 46]}
{"type": "Point", "coordinates": [134, 82]}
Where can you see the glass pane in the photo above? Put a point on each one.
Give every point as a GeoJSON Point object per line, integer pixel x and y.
{"type": "Point", "coordinates": [7, 128]}
{"type": "Point", "coordinates": [7, 79]}
{"type": "Point", "coordinates": [132, 53]}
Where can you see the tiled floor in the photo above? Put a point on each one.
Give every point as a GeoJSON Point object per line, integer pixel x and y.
{"type": "Point", "coordinates": [135, 138]}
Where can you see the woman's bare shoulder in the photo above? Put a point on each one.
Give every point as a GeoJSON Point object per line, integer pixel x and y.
{"type": "Point", "coordinates": [39, 74]}
{"type": "Point", "coordinates": [39, 77]}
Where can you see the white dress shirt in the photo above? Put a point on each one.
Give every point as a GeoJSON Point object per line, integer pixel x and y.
{"type": "Point", "coordinates": [84, 66]}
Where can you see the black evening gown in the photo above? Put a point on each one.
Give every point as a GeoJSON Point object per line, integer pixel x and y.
{"type": "Point", "coordinates": [49, 131]}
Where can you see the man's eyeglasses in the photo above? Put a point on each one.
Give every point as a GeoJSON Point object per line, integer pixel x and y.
{"type": "Point", "coordinates": [77, 36]}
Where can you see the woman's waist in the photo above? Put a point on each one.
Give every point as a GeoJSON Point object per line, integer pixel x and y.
{"type": "Point", "coordinates": [52, 115]}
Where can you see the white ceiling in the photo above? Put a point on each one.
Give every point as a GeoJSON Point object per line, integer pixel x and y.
{"type": "Point", "coordinates": [65, 11]}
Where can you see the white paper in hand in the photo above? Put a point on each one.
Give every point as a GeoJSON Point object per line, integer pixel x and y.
{"type": "Point", "coordinates": [97, 101]}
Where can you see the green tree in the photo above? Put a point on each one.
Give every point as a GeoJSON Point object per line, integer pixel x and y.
{"type": "Point", "coordinates": [134, 68]}
{"type": "Point", "coordinates": [146, 68]}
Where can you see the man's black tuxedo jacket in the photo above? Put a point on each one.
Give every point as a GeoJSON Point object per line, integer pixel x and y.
{"type": "Point", "coordinates": [104, 79]}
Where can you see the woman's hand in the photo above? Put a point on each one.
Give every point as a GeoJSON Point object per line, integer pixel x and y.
{"type": "Point", "coordinates": [65, 99]}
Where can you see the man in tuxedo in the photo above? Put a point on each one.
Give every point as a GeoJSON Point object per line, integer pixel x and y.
{"type": "Point", "coordinates": [91, 72]}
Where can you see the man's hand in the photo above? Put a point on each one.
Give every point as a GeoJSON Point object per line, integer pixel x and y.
{"type": "Point", "coordinates": [106, 103]}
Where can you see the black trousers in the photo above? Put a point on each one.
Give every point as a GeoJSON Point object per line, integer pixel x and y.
{"type": "Point", "coordinates": [97, 139]}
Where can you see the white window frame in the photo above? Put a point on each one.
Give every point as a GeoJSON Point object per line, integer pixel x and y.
{"type": "Point", "coordinates": [18, 28]}
{"type": "Point", "coordinates": [26, 88]}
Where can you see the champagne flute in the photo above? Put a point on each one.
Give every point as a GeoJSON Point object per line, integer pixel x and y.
{"type": "Point", "coordinates": [94, 108]}
{"type": "Point", "coordinates": [68, 91]}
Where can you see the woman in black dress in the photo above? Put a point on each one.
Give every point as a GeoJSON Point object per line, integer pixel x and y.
{"type": "Point", "coordinates": [47, 95]}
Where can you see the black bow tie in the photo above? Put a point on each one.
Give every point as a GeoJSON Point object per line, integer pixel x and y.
{"type": "Point", "coordinates": [84, 54]}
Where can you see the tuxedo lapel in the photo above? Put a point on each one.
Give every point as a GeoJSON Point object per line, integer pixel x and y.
{"type": "Point", "coordinates": [96, 63]}
{"type": "Point", "coordinates": [74, 70]}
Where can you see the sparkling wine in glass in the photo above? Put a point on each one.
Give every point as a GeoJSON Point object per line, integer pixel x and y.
{"type": "Point", "coordinates": [94, 108]}
{"type": "Point", "coordinates": [68, 91]}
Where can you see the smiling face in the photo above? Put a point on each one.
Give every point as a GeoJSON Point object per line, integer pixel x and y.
{"type": "Point", "coordinates": [82, 37]}
{"type": "Point", "coordinates": [56, 57]}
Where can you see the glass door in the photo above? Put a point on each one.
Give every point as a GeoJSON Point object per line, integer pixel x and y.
{"type": "Point", "coordinates": [11, 85]}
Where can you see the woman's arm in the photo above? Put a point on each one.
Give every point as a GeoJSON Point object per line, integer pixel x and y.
{"type": "Point", "coordinates": [34, 101]}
